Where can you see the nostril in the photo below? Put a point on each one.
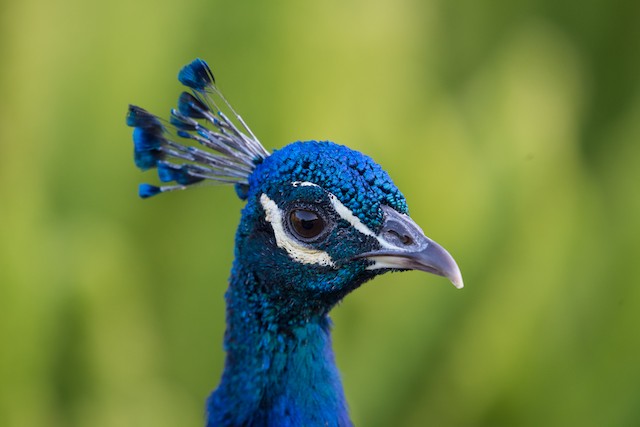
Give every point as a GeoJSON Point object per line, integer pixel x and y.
{"type": "Point", "coordinates": [405, 239]}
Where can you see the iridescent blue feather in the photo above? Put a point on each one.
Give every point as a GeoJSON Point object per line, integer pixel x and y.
{"type": "Point", "coordinates": [199, 143]}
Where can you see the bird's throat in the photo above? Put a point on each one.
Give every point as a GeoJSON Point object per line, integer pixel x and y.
{"type": "Point", "coordinates": [279, 370]}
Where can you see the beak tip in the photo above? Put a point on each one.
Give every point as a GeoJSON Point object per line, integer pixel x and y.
{"type": "Point", "coordinates": [456, 278]}
{"type": "Point", "coordinates": [457, 282]}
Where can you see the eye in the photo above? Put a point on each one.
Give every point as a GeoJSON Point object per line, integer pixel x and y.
{"type": "Point", "coordinates": [306, 223]}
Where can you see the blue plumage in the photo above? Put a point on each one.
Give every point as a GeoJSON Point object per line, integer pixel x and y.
{"type": "Point", "coordinates": [148, 190]}
{"type": "Point", "coordinates": [197, 75]}
{"type": "Point", "coordinates": [146, 139]}
{"type": "Point", "coordinates": [140, 118]}
{"type": "Point", "coordinates": [320, 219]}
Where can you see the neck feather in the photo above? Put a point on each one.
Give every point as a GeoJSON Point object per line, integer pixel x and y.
{"type": "Point", "coordinates": [280, 369]}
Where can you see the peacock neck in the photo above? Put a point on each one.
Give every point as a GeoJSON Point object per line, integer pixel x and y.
{"type": "Point", "coordinates": [279, 369]}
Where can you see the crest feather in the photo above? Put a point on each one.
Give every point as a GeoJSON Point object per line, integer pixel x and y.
{"type": "Point", "coordinates": [199, 143]}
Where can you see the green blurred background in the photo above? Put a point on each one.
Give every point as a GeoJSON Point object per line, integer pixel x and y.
{"type": "Point", "coordinates": [513, 128]}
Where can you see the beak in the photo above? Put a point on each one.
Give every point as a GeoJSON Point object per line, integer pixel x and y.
{"type": "Point", "coordinates": [405, 247]}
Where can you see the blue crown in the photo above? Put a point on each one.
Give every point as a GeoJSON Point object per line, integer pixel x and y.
{"type": "Point", "coordinates": [354, 178]}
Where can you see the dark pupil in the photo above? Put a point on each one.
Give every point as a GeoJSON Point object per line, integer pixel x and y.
{"type": "Point", "coordinates": [306, 223]}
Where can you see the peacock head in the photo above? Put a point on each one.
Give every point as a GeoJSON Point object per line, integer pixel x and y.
{"type": "Point", "coordinates": [320, 219]}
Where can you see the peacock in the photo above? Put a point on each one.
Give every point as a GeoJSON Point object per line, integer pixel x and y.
{"type": "Point", "coordinates": [320, 219]}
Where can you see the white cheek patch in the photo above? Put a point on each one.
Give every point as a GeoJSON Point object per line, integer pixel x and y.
{"type": "Point", "coordinates": [381, 262]}
{"type": "Point", "coordinates": [346, 214]}
{"type": "Point", "coordinates": [294, 249]}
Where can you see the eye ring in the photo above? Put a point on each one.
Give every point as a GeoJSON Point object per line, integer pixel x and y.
{"type": "Point", "coordinates": [306, 224]}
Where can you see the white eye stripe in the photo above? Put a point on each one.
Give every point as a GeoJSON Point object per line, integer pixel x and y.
{"type": "Point", "coordinates": [346, 214]}
{"type": "Point", "coordinates": [295, 250]}
{"type": "Point", "coordinates": [303, 254]}
{"type": "Point", "coordinates": [304, 184]}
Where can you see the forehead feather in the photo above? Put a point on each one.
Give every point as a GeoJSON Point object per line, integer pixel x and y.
{"type": "Point", "coordinates": [355, 179]}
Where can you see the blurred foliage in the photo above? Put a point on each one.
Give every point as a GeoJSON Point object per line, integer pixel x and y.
{"type": "Point", "coordinates": [513, 128]}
